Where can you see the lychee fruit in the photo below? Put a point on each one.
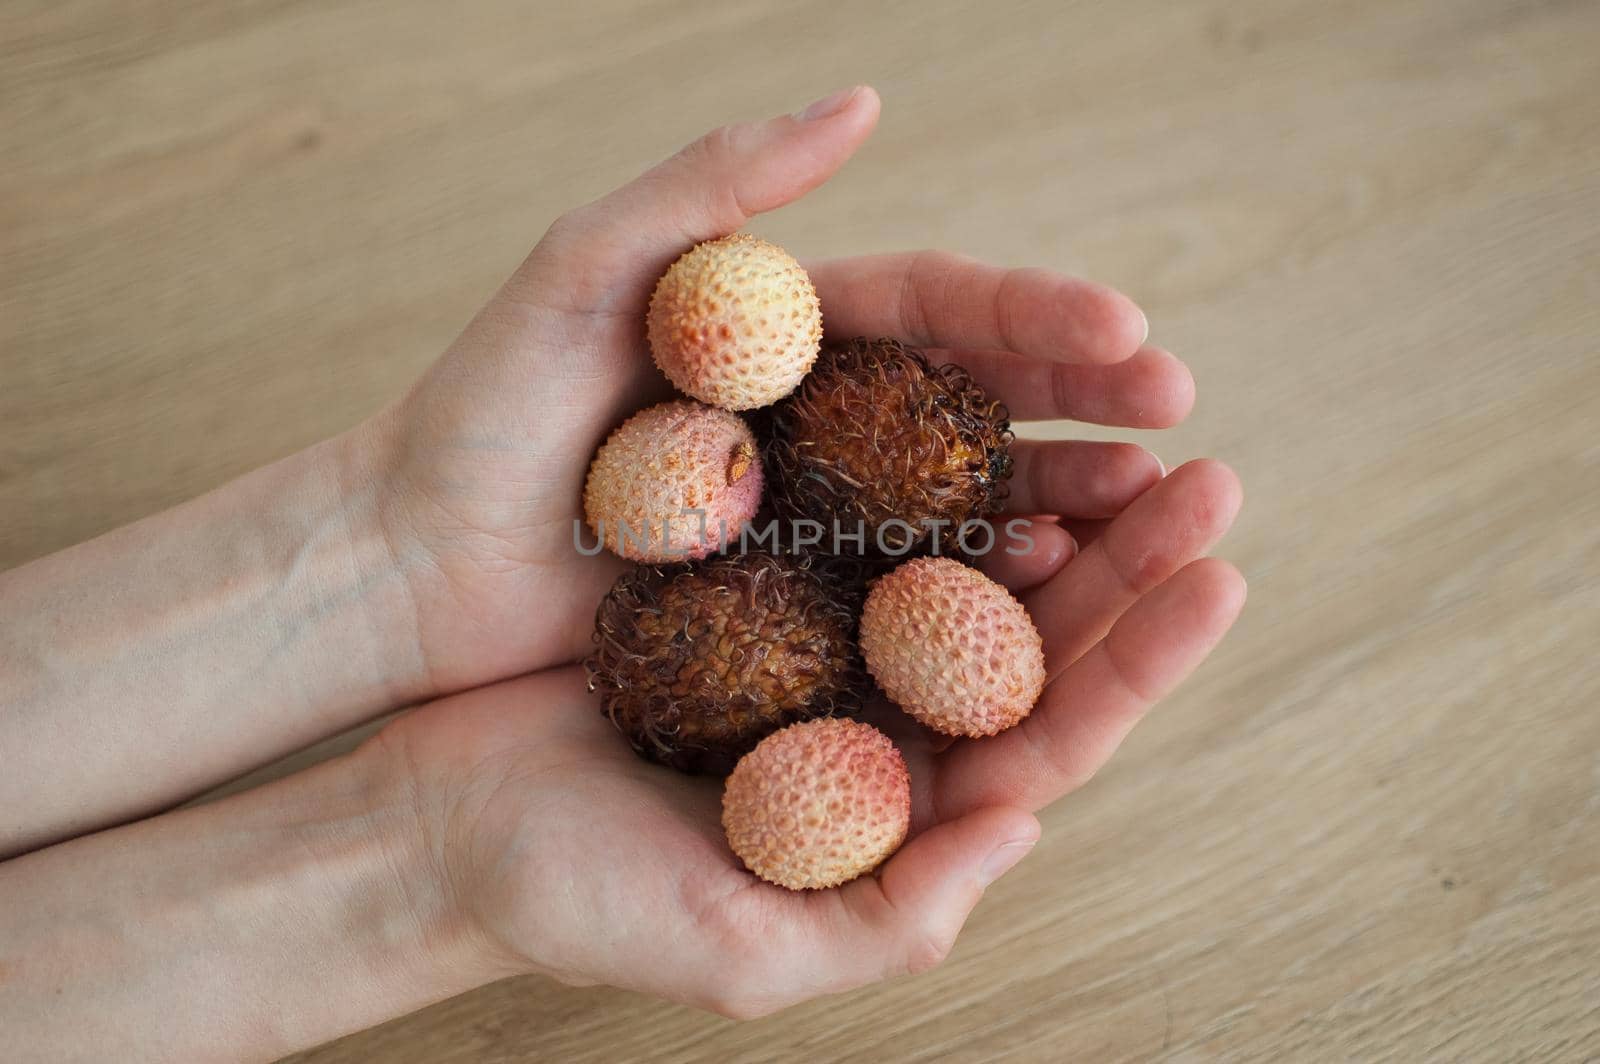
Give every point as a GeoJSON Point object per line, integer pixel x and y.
{"type": "Point", "coordinates": [952, 648]}
{"type": "Point", "coordinates": [818, 804]}
{"type": "Point", "coordinates": [696, 663]}
{"type": "Point", "coordinates": [877, 440]}
{"type": "Point", "coordinates": [676, 481]}
{"type": "Point", "coordinates": [735, 322]}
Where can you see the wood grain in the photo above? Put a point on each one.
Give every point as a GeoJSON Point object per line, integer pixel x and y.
{"type": "Point", "coordinates": [1369, 829]}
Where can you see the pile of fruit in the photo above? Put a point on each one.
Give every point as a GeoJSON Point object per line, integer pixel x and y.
{"type": "Point", "coordinates": [757, 662]}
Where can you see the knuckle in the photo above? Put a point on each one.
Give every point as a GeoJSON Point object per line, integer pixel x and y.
{"type": "Point", "coordinates": [563, 228]}
{"type": "Point", "coordinates": [1042, 483]}
{"type": "Point", "coordinates": [1066, 391]}
{"type": "Point", "coordinates": [927, 292]}
{"type": "Point", "coordinates": [938, 264]}
{"type": "Point", "coordinates": [1063, 750]}
{"type": "Point", "coordinates": [729, 1006]}
{"type": "Point", "coordinates": [714, 160]}
{"type": "Point", "coordinates": [566, 235]}
{"type": "Point", "coordinates": [714, 148]}
{"type": "Point", "coordinates": [1006, 327]}
{"type": "Point", "coordinates": [716, 155]}
{"type": "Point", "coordinates": [1138, 571]}
{"type": "Point", "coordinates": [1127, 673]}
{"type": "Point", "coordinates": [927, 953]}
{"type": "Point", "coordinates": [557, 273]}
{"type": "Point", "coordinates": [940, 274]}
{"type": "Point", "coordinates": [737, 934]}
{"type": "Point", "coordinates": [738, 1004]}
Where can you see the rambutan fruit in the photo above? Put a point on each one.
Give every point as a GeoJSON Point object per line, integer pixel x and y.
{"type": "Point", "coordinates": [696, 663]}
{"type": "Point", "coordinates": [876, 440]}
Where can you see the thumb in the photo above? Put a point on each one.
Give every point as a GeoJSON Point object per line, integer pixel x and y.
{"type": "Point", "coordinates": [903, 920]}
{"type": "Point", "coordinates": [932, 885]}
{"type": "Point", "coordinates": [707, 190]}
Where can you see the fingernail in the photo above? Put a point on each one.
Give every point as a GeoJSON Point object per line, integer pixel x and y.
{"type": "Point", "coordinates": [1160, 465]}
{"type": "Point", "coordinates": [828, 106]}
{"type": "Point", "coordinates": [1146, 318]}
{"type": "Point", "coordinates": [1003, 860]}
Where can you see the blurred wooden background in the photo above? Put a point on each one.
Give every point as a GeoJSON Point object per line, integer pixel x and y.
{"type": "Point", "coordinates": [1368, 829]}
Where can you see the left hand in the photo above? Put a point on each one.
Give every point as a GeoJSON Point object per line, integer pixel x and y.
{"type": "Point", "coordinates": [482, 464]}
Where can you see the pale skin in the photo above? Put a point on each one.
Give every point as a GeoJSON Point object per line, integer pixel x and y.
{"type": "Point", "coordinates": [426, 557]}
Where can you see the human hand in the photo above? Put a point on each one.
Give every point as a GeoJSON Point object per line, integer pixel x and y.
{"type": "Point", "coordinates": [561, 851]}
{"type": "Point", "coordinates": [486, 456]}
{"type": "Point", "coordinates": [508, 829]}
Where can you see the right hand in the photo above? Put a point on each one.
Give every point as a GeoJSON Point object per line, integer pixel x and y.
{"type": "Point", "coordinates": [561, 851]}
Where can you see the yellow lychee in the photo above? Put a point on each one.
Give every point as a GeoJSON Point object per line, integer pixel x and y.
{"type": "Point", "coordinates": [676, 481]}
{"type": "Point", "coordinates": [952, 648]}
{"type": "Point", "coordinates": [735, 322]}
{"type": "Point", "coordinates": [818, 804]}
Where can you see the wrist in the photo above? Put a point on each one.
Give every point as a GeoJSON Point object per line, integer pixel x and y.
{"type": "Point", "coordinates": [266, 923]}
{"type": "Point", "coordinates": [412, 935]}
{"type": "Point", "coordinates": [363, 468]}
{"type": "Point", "coordinates": [167, 656]}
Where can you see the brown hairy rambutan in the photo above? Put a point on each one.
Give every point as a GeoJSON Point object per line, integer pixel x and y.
{"type": "Point", "coordinates": [697, 663]}
{"type": "Point", "coordinates": [877, 438]}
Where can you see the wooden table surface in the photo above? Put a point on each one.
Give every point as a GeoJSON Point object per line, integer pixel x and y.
{"type": "Point", "coordinates": [1368, 829]}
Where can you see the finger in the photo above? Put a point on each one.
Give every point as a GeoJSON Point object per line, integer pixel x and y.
{"type": "Point", "coordinates": [1079, 478]}
{"type": "Point", "coordinates": [1173, 523]}
{"type": "Point", "coordinates": [1085, 531]}
{"type": "Point", "coordinates": [1088, 710]}
{"type": "Point", "coordinates": [939, 299]}
{"type": "Point", "coordinates": [902, 921]}
{"type": "Point", "coordinates": [1151, 390]}
{"type": "Point", "coordinates": [1026, 553]}
{"type": "Point", "coordinates": [625, 240]}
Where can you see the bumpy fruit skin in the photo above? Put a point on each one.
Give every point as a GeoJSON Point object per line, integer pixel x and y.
{"type": "Point", "coordinates": [735, 322]}
{"type": "Point", "coordinates": [818, 804]}
{"type": "Point", "coordinates": [952, 647]}
{"type": "Point", "coordinates": [663, 463]}
{"type": "Point", "coordinates": [875, 436]}
{"type": "Point", "coordinates": [697, 663]}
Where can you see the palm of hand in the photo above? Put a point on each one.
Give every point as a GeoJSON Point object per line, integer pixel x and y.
{"type": "Point", "coordinates": [555, 836]}
{"type": "Point", "coordinates": [498, 439]}
{"type": "Point", "coordinates": [569, 837]}
{"type": "Point", "coordinates": [552, 832]}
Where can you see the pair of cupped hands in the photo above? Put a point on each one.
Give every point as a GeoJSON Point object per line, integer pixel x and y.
{"type": "Point", "coordinates": [572, 856]}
